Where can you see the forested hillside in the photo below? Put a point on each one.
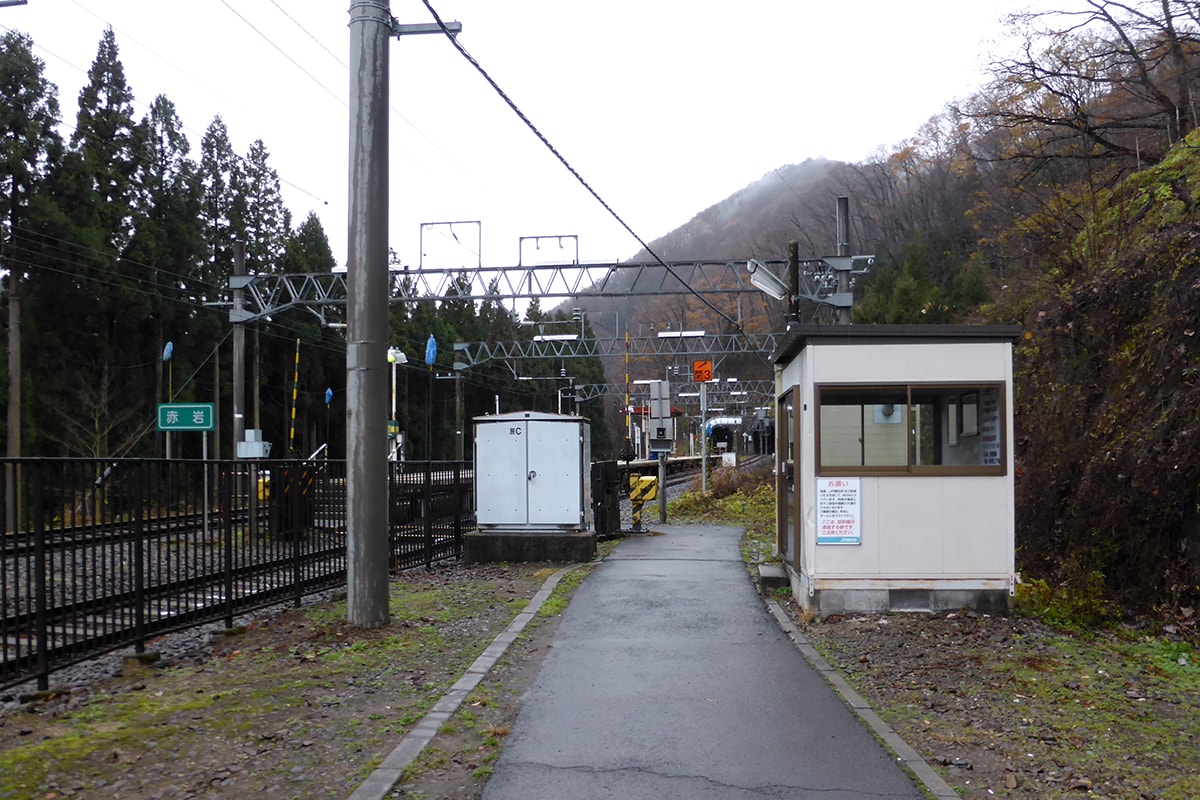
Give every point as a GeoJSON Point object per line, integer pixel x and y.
{"type": "Point", "coordinates": [1063, 198]}
{"type": "Point", "coordinates": [1108, 413]}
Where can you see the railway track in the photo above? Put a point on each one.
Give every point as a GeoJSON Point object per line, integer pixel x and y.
{"type": "Point", "coordinates": [158, 552]}
{"type": "Point", "coordinates": [71, 592]}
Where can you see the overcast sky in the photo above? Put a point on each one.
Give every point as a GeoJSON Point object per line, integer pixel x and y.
{"type": "Point", "coordinates": [664, 106]}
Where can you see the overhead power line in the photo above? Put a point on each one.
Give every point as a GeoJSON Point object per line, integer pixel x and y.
{"type": "Point", "coordinates": [308, 33]}
{"type": "Point", "coordinates": [284, 53]}
{"type": "Point", "coordinates": [562, 159]}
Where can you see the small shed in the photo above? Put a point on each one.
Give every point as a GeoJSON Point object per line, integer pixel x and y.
{"type": "Point", "coordinates": [894, 454]}
{"type": "Point", "coordinates": [532, 472]}
{"type": "Point", "coordinates": [532, 489]}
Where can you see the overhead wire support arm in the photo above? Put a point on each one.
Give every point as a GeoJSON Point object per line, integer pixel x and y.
{"type": "Point", "coordinates": [324, 294]}
{"type": "Point", "coordinates": [451, 28]}
{"type": "Point", "coordinates": [470, 354]}
{"type": "Point", "coordinates": [717, 393]}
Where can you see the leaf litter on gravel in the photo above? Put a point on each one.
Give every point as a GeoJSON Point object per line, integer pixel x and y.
{"type": "Point", "coordinates": [1008, 707]}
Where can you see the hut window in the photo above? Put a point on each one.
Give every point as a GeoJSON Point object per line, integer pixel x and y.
{"type": "Point", "coordinates": [910, 429]}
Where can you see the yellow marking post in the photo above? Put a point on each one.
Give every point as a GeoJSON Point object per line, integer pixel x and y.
{"type": "Point", "coordinates": [642, 489]}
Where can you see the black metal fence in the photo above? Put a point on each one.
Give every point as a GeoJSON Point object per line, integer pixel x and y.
{"type": "Point", "coordinates": [100, 555]}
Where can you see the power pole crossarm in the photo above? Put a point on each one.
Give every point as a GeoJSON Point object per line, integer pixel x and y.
{"type": "Point", "coordinates": [398, 30]}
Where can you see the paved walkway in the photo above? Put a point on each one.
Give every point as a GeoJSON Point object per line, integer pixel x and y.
{"type": "Point", "coordinates": [669, 679]}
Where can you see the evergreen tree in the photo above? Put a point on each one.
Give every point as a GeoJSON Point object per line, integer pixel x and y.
{"type": "Point", "coordinates": [224, 210]}
{"type": "Point", "coordinates": [29, 115]}
{"type": "Point", "coordinates": [28, 151]}
{"type": "Point", "coordinates": [322, 359]}
{"type": "Point", "coordinates": [267, 223]}
{"type": "Point", "coordinates": [109, 143]}
{"type": "Point", "coordinates": [307, 248]}
{"type": "Point", "coordinates": [169, 244]}
{"type": "Point", "coordinates": [88, 296]}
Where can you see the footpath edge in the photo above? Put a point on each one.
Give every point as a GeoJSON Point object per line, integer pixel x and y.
{"type": "Point", "coordinates": [908, 758]}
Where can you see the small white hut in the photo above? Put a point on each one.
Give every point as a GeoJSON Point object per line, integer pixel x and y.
{"type": "Point", "coordinates": [895, 467]}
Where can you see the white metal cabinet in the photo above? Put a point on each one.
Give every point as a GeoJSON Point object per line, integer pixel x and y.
{"type": "Point", "coordinates": [530, 471]}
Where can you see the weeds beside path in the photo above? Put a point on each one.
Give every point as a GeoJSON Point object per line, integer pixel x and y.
{"type": "Point", "coordinates": [1008, 707]}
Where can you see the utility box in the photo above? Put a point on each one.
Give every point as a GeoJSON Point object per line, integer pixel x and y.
{"type": "Point", "coordinates": [532, 472]}
{"type": "Point", "coordinates": [253, 446]}
{"type": "Point", "coordinates": [533, 493]}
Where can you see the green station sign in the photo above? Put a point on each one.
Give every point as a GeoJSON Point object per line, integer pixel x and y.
{"type": "Point", "coordinates": [186, 416]}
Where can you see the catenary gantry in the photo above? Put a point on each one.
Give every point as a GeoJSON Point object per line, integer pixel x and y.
{"type": "Point", "coordinates": [324, 294]}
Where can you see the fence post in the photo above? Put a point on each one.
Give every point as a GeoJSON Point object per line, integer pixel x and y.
{"type": "Point", "coordinates": [40, 570]}
{"type": "Point", "coordinates": [393, 515]}
{"type": "Point", "coordinates": [229, 496]}
{"type": "Point", "coordinates": [428, 491]}
{"type": "Point", "coordinates": [302, 525]}
{"type": "Point", "coordinates": [139, 559]}
{"type": "Point", "coordinates": [458, 508]}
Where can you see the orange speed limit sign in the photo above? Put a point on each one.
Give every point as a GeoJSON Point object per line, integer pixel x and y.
{"type": "Point", "coordinates": [701, 371]}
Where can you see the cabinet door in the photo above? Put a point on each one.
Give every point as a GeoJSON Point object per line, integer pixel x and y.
{"type": "Point", "coordinates": [502, 485]}
{"type": "Point", "coordinates": [555, 475]}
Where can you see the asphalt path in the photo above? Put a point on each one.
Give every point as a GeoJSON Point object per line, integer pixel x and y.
{"type": "Point", "coordinates": [669, 679]}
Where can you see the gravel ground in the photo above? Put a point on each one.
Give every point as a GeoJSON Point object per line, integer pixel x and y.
{"type": "Point", "coordinates": [298, 704]}
{"type": "Point", "coordinates": [1005, 706]}
{"type": "Point", "coordinates": [191, 645]}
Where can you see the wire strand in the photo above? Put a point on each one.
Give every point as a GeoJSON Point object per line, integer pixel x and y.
{"type": "Point", "coordinates": [562, 159]}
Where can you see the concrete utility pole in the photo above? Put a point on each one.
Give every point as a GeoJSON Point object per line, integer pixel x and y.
{"type": "Point", "coordinates": [367, 291]}
{"type": "Point", "coordinates": [367, 311]}
{"type": "Point", "coordinates": [459, 439]}
{"type": "Point", "coordinates": [12, 498]}
{"type": "Point", "coordinates": [793, 306]}
{"type": "Point", "coordinates": [14, 366]}
{"type": "Point", "coordinates": [843, 249]}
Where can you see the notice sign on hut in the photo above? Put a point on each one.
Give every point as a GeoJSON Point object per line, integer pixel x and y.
{"type": "Point", "coordinates": [839, 511]}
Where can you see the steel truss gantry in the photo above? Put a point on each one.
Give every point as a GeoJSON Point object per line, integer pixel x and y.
{"type": "Point", "coordinates": [469, 354]}
{"type": "Point", "coordinates": [718, 392]}
{"type": "Point", "coordinates": [324, 294]}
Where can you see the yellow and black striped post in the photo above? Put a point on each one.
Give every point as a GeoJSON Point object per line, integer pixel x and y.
{"type": "Point", "coordinates": [295, 388]}
{"type": "Point", "coordinates": [642, 489]}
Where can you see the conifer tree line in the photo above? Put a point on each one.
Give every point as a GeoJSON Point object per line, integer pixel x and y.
{"type": "Point", "coordinates": [118, 239]}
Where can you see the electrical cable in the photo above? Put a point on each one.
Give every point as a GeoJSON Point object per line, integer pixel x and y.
{"type": "Point", "coordinates": [562, 159]}
{"type": "Point", "coordinates": [284, 53]}
{"type": "Point", "coordinates": [319, 43]}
